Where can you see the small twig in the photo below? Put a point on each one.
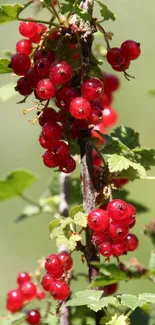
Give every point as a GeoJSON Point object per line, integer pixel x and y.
{"type": "Point", "coordinates": [102, 30]}
{"type": "Point", "coordinates": [28, 200]}
{"type": "Point", "coordinates": [128, 76]}
{"type": "Point", "coordinates": [53, 11]}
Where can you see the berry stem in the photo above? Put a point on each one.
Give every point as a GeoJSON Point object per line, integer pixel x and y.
{"type": "Point", "coordinates": [102, 30]}
{"type": "Point", "coordinates": [53, 11]}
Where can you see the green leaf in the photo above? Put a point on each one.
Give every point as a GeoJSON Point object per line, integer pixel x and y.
{"type": "Point", "coordinates": [74, 210]}
{"type": "Point", "coordinates": [118, 320]}
{"type": "Point", "coordinates": [29, 211]}
{"type": "Point", "coordinates": [80, 219]}
{"type": "Point", "coordinates": [130, 301]}
{"type": "Point", "coordinates": [73, 6]}
{"type": "Point", "coordinates": [4, 66]}
{"type": "Point", "coordinates": [110, 274]}
{"type": "Point", "coordinates": [69, 243]}
{"type": "Point", "coordinates": [53, 224]}
{"type": "Point", "coordinates": [7, 91]}
{"type": "Point", "coordinates": [104, 320]}
{"type": "Point", "coordinates": [127, 135]}
{"type": "Point", "coordinates": [105, 12]}
{"type": "Point", "coordinates": [146, 297]}
{"type": "Point", "coordinates": [81, 13]}
{"type": "Point", "coordinates": [85, 297]}
{"type": "Point", "coordinates": [65, 222]}
{"type": "Point", "coordinates": [15, 183]}
{"type": "Point", "coordinates": [104, 302]}
{"type": "Point", "coordinates": [114, 145]}
{"type": "Point", "coordinates": [9, 12]}
{"type": "Point", "coordinates": [145, 157]}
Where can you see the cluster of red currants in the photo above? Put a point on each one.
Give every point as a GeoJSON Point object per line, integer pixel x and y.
{"type": "Point", "coordinates": [120, 58]}
{"type": "Point", "coordinates": [111, 224]}
{"type": "Point", "coordinates": [58, 267]}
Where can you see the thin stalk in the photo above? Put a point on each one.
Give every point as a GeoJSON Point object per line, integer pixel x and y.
{"type": "Point", "coordinates": [29, 201]}
{"type": "Point", "coordinates": [53, 11]}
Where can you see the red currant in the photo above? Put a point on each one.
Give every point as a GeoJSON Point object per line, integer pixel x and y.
{"type": "Point", "coordinates": [98, 220]}
{"type": "Point", "coordinates": [23, 277]}
{"type": "Point", "coordinates": [33, 317]}
{"type": "Point", "coordinates": [110, 116]}
{"type": "Point", "coordinates": [67, 165]}
{"type": "Point", "coordinates": [41, 29]}
{"type": "Point", "coordinates": [118, 231]}
{"type": "Point", "coordinates": [45, 89]}
{"type": "Point", "coordinates": [52, 131]}
{"type": "Point", "coordinates": [131, 50]}
{"type": "Point", "coordinates": [99, 237]}
{"type": "Point", "coordinates": [40, 295]}
{"type": "Point", "coordinates": [95, 116]}
{"type": "Point", "coordinates": [53, 265]}
{"type": "Point", "coordinates": [45, 144]}
{"type": "Point", "coordinates": [118, 210]}
{"type": "Point", "coordinates": [131, 225]}
{"type": "Point", "coordinates": [50, 160]}
{"type": "Point", "coordinates": [132, 213]}
{"type": "Point", "coordinates": [111, 83]}
{"type": "Point", "coordinates": [59, 290]}
{"type": "Point", "coordinates": [92, 89]}
{"type": "Point", "coordinates": [42, 67]}
{"type": "Point", "coordinates": [132, 242]}
{"type": "Point", "coordinates": [80, 108]}
{"type": "Point", "coordinates": [123, 66]}
{"type": "Point", "coordinates": [60, 72]}
{"type": "Point", "coordinates": [14, 300]}
{"type": "Point", "coordinates": [28, 290]}
{"type": "Point", "coordinates": [97, 161]}
{"type": "Point", "coordinates": [120, 248]}
{"type": "Point", "coordinates": [61, 149]}
{"type": "Point", "coordinates": [32, 78]}
{"type": "Point", "coordinates": [115, 57]}
{"type": "Point", "coordinates": [110, 289]}
{"type": "Point", "coordinates": [120, 182]}
{"type": "Point", "coordinates": [23, 87]}
{"type": "Point", "coordinates": [20, 63]}
{"type": "Point", "coordinates": [66, 260]}
{"type": "Point", "coordinates": [64, 96]}
{"type": "Point", "coordinates": [28, 28]}
{"type": "Point", "coordinates": [105, 100]}
{"type": "Point", "coordinates": [106, 249]}
{"type": "Point", "coordinates": [47, 279]}
{"type": "Point", "coordinates": [48, 115]}
{"type": "Point", "coordinates": [24, 46]}
{"type": "Point", "coordinates": [43, 54]}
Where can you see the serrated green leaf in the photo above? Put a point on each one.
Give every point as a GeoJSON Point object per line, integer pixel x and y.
{"type": "Point", "coordinates": [70, 243]}
{"type": "Point", "coordinates": [104, 320]}
{"type": "Point", "coordinates": [118, 320]}
{"type": "Point", "coordinates": [127, 135]}
{"type": "Point", "coordinates": [145, 157]}
{"type": "Point", "coordinates": [4, 65]}
{"type": "Point", "coordinates": [104, 302]}
{"type": "Point", "coordinates": [111, 274]}
{"type": "Point", "coordinates": [53, 224]}
{"type": "Point", "coordinates": [81, 13]}
{"type": "Point", "coordinates": [130, 301]}
{"type": "Point", "coordinates": [74, 210]}
{"type": "Point", "coordinates": [85, 297]}
{"type": "Point", "coordinates": [80, 219]}
{"type": "Point", "coordinates": [73, 6]}
{"type": "Point", "coordinates": [118, 163]}
{"type": "Point", "coordinates": [65, 222]}
{"type": "Point", "coordinates": [145, 298]}
{"type": "Point", "coordinates": [105, 12]}
{"type": "Point", "coordinates": [7, 91]}
{"type": "Point", "coordinates": [9, 12]}
{"type": "Point", "coordinates": [114, 145]}
{"type": "Point", "coordinates": [57, 232]}
{"type": "Point", "coordinates": [15, 183]}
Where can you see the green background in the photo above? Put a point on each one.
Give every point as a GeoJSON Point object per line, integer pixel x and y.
{"type": "Point", "coordinates": [24, 243]}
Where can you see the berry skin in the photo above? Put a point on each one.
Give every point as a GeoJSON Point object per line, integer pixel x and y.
{"type": "Point", "coordinates": [97, 161]}
{"type": "Point", "coordinates": [61, 149]}
{"type": "Point", "coordinates": [111, 83]}
{"type": "Point", "coordinates": [110, 289]}
{"type": "Point", "coordinates": [132, 242]}
{"type": "Point", "coordinates": [64, 96]}
{"type": "Point", "coordinates": [45, 89]}
{"type": "Point", "coordinates": [98, 220]}
{"type": "Point", "coordinates": [66, 260]}
{"type": "Point", "coordinates": [118, 232]}
{"type": "Point", "coordinates": [50, 160]}
{"type": "Point", "coordinates": [95, 116]}
{"type": "Point", "coordinates": [28, 28]}
{"type": "Point", "coordinates": [52, 131]}
{"type": "Point", "coordinates": [120, 182]}
{"type": "Point", "coordinates": [32, 78]}
{"type": "Point", "coordinates": [42, 67]}
{"type": "Point", "coordinates": [23, 277]}
{"type": "Point", "coordinates": [48, 114]}
{"type": "Point", "coordinates": [106, 249]}
{"type": "Point", "coordinates": [80, 108]}
{"type": "Point", "coordinates": [43, 54]}
{"type": "Point", "coordinates": [24, 46]}
{"type": "Point", "coordinates": [41, 29]}
{"type": "Point", "coordinates": [110, 117]}
{"type": "Point", "coordinates": [44, 143]}
{"type": "Point", "coordinates": [14, 301]}
{"type": "Point", "coordinates": [92, 89]}
{"type": "Point", "coordinates": [123, 66]}
{"type": "Point", "coordinates": [28, 290]}
{"type": "Point", "coordinates": [47, 279]}
{"type": "Point", "coordinates": [23, 87]}
{"type": "Point", "coordinates": [40, 295]}
{"type": "Point", "coordinates": [53, 265]}
{"type": "Point", "coordinates": [67, 165]}
{"type": "Point", "coordinates": [131, 50]}
{"type": "Point", "coordinates": [60, 72]}
{"type": "Point", "coordinates": [118, 210]}
{"type": "Point", "coordinates": [115, 57]}
{"type": "Point", "coordinates": [132, 213]}
{"type": "Point", "coordinates": [33, 317]}
{"type": "Point", "coordinates": [131, 225]}
{"type": "Point", "coordinates": [59, 290]}
{"type": "Point", "coordinates": [120, 248]}
{"type": "Point", "coordinates": [99, 238]}
{"type": "Point", "coordinates": [20, 63]}
{"type": "Point", "coordinates": [105, 100]}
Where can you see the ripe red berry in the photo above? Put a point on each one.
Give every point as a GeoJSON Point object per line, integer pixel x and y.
{"type": "Point", "coordinates": [64, 96]}
{"type": "Point", "coordinates": [123, 66]}
{"type": "Point", "coordinates": [105, 100]}
{"type": "Point", "coordinates": [44, 54]}
{"type": "Point", "coordinates": [23, 277]}
{"type": "Point", "coordinates": [111, 83]}
{"type": "Point", "coordinates": [67, 165]}
{"type": "Point", "coordinates": [24, 46]}
{"type": "Point", "coordinates": [97, 161]}
{"type": "Point", "coordinates": [92, 89]}
{"type": "Point", "coordinates": [52, 131]}
{"type": "Point", "coordinates": [131, 225]}
{"type": "Point", "coordinates": [45, 89]}
{"type": "Point", "coordinates": [47, 279]}
{"type": "Point", "coordinates": [95, 116]}
{"type": "Point", "coordinates": [101, 128]}
{"type": "Point", "coordinates": [28, 28]}
{"type": "Point", "coordinates": [60, 72]}
{"type": "Point", "coordinates": [118, 210]}
{"type": "Point", "coordinates": [99, 237]}
{"type": "Point", "coordinates": [42, 67]}
{"type": "Point", "coordinates": [50, 160]}
{"type": "Point", "coordinates": [20, 63]}
{"type": "Point", "coordinates": [53, 265]}
{"type": "Point", "coordinates": [110, 117]}
{"type": "Point", "coordinates": [61, 149]}
{"type": "Point", "coordinates": [132, 213]}
{"type": "Point", "coordinates": [44, 143]}
{"type": "Point", "coordinates": [14, 301]}
{"type": "Point", "coordinates": [110, 289]}
{"type": "Point", "coordinates": [80, 108]}
{"type": "Point", "coordinates": [98, 220]}
{"type": "Point", "coordinates": [32, 78]}
{"type": "Point", "coordinates": [41, 29]}
{"type": "Point", "coordinates": [120, 248]}
{"type": "Point", "coordinates": [33, 317]}
{"type": "Point", "coordinates": [115, 57]}
{"type": "Point", "coordinates": [28, 290]}
{"type": "Point", "coordinates": [66, 260]}
{"type": "Point", "coordinates": [106, 249]}
{"type": "Point", "coordinates": [59, 290]}
{"type": "Point", "coordinates": [23, 87]}
{"type": "Point", "coordinates": [118, 232]}
{"type": "Point", "coordinates": [132, 242]}
{"type": "Point", "coordinates": [120, 182]}
{"type": "Point", "coordinates": [48, 115]}
{"type": "Point", "coordinates": [40, 295]}
{"type": "Point", "coordinates": [131, 50]}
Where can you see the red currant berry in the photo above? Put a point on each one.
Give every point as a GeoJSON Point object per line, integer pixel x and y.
{"type": "Point", "coordinates": [97, 161]}
{"type": "Point", "coordinates": [45, 144]}
{"type": "Point", "coordinates": [52, 131]}
{"type": "Point", "coordinates": [120, 182]}
{"type": "Point", "coordinates": [99, 237]}
{"type": "Point", "coordinates": [20, 63]}
{"type": "Point", "coordinates": [111, 83]}
{"type": "Point", "coordinates": [82, 124]}
{"type": "Point", "coordinates": [110, 289]}
{"type": "Point", "coordinates": [47, 279]}
{"type": "Point", "coordinates": [118, 232]}
{"type": "Point", "coordinates": [40, 295]}
{"type": "Point", "coordinates": [59, 290]}
{"type": "Point", "coordinates": [45, 89]}
{"type": "Point", "coordinates": [80, 108]}
{"type": "Point", "coordinates": [123, 66]}
{"type": "Point", "coordinates": [64, 96]}
{"type": "Point", "coordinates": [92, 89]}
{"type": "Point", "coordinates": [14, 300]}
{"type": "Point", "coordinates": [23, 87]}
{"type": "Point", "coordinates": [110, 117]}
{"type": "Point", "coordinates": [131, 50]}
{"type": "Point", "coordinates": [67, 165]}
{"type": "Point", "coordinates": [132, 242]}
{"type": "Point", "coordinates": [50, 160]}
{"type": "Point", "coordinates": [106, 249]}
{"type": "Point", "coordinates": [118, 210]}
{"type": "Point", "coordinates": [53, 264]}
{"type": "Point", "coordinates": [42, 67]}
{"type": "Point", "coordinates": [48, 115]}
{"type": "Point", "coordinates": [115, 57]}
{"type": "Point", "coordinates": [131, 225]}
{"type": "Point", "coordinates": [132, 213]}
{"type": "Point", "coordinates": [24, 46]}
{"type": "Point", "coordinates": [33, 317]}
{"type": "Point", "coordinates": [60, 72]}
{"type": "Point", "coordinates": [66, 260]}
{"type": "Point", "coordinates": [98, 220]}
{"type": "Point", "coordinates": [32, 78]}
{"type": "Point", "coordinates": [43, 54]}
{"type": "Point", "coordinates": [95, 116]}
{"type": "Point", "coordinates": [28, 28]}
{"type": "Point", "coordinates": [23, 277]}
{"type": "Point", "coordinates": [28, 290]}
{"type": "Point", "coordinates": [41, 29]}
{"type": "Point", "coordinates": [120, 248]}
{"type": "Point", "coordinates": [105, 100]}
{"type": "Point", "coordinates": [62, 149]}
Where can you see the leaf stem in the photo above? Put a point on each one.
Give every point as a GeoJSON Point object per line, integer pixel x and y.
{"type": "Point", "coordinates": [102, 30]}
{"type": "Point", "coordinates": [52, 11]}
{"type": "Point", "coordinates": [28, 200]}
